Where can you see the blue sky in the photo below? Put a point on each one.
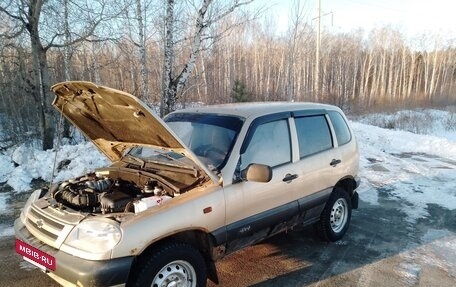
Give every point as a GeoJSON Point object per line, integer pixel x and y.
{"type": "Point", "coordinates": [411, 17]}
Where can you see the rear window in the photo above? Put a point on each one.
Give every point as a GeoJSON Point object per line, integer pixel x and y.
{"type": "Point", "coordinates": [340, 127]}
{"type": "Point", "coordinates": [313, 135]}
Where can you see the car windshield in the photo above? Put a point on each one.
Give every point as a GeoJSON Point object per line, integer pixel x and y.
{"type": "Point", "coordinates": [210, 136]}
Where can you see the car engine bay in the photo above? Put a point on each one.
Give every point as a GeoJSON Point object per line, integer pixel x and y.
{"type": "Point", "coordinates": [113, 190]}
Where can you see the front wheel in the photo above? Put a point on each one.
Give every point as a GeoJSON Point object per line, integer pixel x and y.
{"type": "Point", "coordinates": [173, 264]}
{"type": "Point", "coordinates": [335, 218]}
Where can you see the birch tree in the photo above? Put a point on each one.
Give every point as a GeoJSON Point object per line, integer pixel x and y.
{"type": "Point", "coordinates": [174, 79]}
{"type": "Point", "coordinates": [138, 15]}
{"type": "Point", "coordinates": [295, 38]}
{"type": "Point", "coordinates": [39, 19]}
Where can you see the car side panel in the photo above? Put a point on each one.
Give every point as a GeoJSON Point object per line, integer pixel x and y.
{"type": "Point", "coordinates": [315, 174]}
{"type": "Point", "coordinates": [260, 226]}
{"type": "Point", "coordinates": [246, 200]}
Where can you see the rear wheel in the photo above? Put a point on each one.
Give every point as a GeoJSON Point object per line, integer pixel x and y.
{"type": "Point", "coordinates": [335, 218]}
{"type": "Point", "coordinates": [172, 265]}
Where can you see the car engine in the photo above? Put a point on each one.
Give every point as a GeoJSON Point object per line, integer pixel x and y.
{"type": "Point", "coordinates": [96, 193]}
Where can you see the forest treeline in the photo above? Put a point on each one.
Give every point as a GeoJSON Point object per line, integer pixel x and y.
{"type": "Point", "coordinates": [238, 57]}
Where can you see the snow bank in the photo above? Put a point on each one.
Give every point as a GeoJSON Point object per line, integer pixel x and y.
{"type": "Point", "coordinates": [6, 167]}
{"type": "Point", "coordinates": [414, 169]}
{"type": "Point", "coordinates": [33, 164]}
{"type": "Point", "coordinates": [375, 139]}
{"type": "Point", "coordinates": [422, 121]}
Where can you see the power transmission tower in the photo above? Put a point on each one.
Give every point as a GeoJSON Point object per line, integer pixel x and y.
{"type": "Point", "coordinates": [317, 51]}
{"type": "Point", "coordinates": [317, 54]}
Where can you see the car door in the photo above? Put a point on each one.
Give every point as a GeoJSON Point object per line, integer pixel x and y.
{"type": "Point", "coordinates": [256, 210]}
{"type": "Point", "coordinates": [346, 150]}
{"type": "Point", "coordinates": [316, 167]}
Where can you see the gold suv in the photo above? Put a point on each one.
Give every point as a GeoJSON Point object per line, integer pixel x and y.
{"type": "Point", "coordinates": [185, 191]}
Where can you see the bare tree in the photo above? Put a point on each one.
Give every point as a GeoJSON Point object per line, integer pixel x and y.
{"type": "Point", "coordinates": [138, 21]}
{"type": "Point", "coordinates": [173, 83]}
{"type": "Point", "coordinates": [209, 45]}
{"type": "Point", "coordinates": [45, 34]}
{"type": "Point", "coordinates": [298, 13]}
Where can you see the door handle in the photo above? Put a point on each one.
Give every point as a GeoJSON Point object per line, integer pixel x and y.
{"type": "Point", "coordinates": [289, 177]}
{"type": "Point", "coordinates": [335, 162]}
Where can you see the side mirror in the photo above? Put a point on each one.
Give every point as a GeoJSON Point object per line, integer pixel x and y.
{"type": "Point", "coordinates": [257, 173]}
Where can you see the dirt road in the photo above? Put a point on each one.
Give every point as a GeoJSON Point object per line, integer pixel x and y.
{"type": "Point", "coordinates": [380, 249]}
{"type": "Point", "coordinates": [384, 246]}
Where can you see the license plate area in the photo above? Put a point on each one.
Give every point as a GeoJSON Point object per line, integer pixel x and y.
{"type": "Point", "coordinates": [35, 256]}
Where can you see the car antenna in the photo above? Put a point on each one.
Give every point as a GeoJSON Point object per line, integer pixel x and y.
{"type": "Point", "coordinates": [59, 135]}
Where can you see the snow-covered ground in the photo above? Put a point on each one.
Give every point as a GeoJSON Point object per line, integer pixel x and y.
{"type": "Point", "coordinates": [438, 123]}
{"type": "Point", "coordinates": [415, 169]}
{"type": "Point", "coordinates": [412, 158]}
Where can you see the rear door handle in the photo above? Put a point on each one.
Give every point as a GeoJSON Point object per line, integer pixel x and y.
{"type": "Point", "coordinates": [289, 177]}
{"type": "Point", "coordinates": [335, 162]}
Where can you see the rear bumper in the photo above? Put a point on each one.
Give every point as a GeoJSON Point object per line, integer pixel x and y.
{"type": "Point", "coordinates": [75, 271]}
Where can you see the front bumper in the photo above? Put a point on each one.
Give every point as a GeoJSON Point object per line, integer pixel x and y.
{"type": "Point", "coordinates": [75, 271]}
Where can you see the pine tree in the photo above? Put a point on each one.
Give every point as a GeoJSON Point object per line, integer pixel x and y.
{"type": "Point", "coordinates": [239, 92]}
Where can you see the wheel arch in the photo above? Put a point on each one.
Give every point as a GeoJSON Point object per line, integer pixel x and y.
{"type": "Point", "coordinates": [349, 184]}
{"type": "Point", "coordinates": [199, 239]}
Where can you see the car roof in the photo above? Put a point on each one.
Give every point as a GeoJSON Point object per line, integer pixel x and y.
{"type": "Point", "coordinates": [256, 109]}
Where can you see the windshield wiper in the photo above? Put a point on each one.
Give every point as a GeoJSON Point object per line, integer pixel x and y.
{"type": "Point", "coordinates": [136, 159]}
{"type": "Point", "coordinates": [166, 155]}
{"type": "Point", "coordinates": [214, 169]}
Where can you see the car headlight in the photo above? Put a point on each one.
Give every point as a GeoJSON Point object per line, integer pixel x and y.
{"type": "Point", "coordinates": [94, 236]}
{"type": "Point", "coordinates": [33, 197]}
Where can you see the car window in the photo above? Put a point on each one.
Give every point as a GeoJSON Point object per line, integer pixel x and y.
{"type": "Point", "coordinates": [313, 135]}
{"type": "Point", "coordinates": [270, 145]}
{"type": "Point", "coordinates": [340, 127]}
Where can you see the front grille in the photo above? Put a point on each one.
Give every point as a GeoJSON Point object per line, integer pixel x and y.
{"type": "Point", "coordinates": [45, 232]}
{"type": "Point", "coordinates": [48, 221]}
{"type": "Point", "coordinates": [46, 228]}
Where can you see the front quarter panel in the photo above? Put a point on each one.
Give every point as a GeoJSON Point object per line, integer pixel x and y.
{"type": "Point", "coordinates": [201, 209]}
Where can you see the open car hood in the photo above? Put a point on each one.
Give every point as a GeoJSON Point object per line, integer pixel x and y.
{"type": "Point", "coordinates": [116, 121]}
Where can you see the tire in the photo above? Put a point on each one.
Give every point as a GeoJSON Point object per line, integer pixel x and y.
{"type": "Point", "coordinates": [335, 217]}
{"type": "Point", "coordinates": [172, 262]}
